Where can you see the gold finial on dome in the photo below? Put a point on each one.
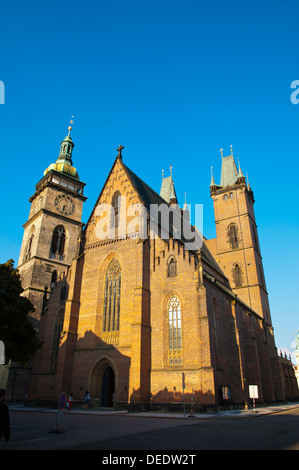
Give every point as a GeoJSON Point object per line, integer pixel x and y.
{"type": "Point", "coordinates": [70, 127]}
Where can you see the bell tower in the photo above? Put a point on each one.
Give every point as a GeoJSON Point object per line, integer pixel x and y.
{"type": "Point", "coordinates": [236, 246]}
{"type": "Point", "coordinates": [53, 229]}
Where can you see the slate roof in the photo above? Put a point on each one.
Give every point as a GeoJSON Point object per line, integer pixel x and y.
{"type": "Point", "coordinates": [229, 171]}
{"type": "Point", "coordinates": [146, 193]}
{"type": "Point", "coordinates": [167, 189]}
{"type": "Point", "coordinates": [149, 196]}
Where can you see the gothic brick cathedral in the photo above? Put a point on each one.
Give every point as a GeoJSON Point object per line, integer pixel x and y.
{"type": "Point", "coordinates": [135, 319]}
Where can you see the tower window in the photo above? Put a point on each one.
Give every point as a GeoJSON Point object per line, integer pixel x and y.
{"type": "Point", "coordinates": [255, 237]}
{"type": "Point", "coordinates": [262, 279]}
{"type": "Point", "coordinates": [29, 243]}
{"type": "Point", "coordinates": [233, 236]}
{"type": "Point", "coordinates": [171, 267]}
{"type": "Point", "coordinates": [58, 243]}
{"type": "Point", "coordinates": [237, 274]}
{"type": "Point", "coordinates": [111, 311]}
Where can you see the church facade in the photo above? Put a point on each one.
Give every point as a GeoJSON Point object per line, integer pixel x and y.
{"type": "Point", "coordinates": [140, 320]}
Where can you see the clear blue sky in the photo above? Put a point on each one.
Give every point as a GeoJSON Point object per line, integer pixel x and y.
{"type": "Point", "coordinates": [173, 81]}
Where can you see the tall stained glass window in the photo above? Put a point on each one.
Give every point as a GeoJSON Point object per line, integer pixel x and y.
{"type": "Point", "coordinates": [112, 297]}
{"type": "Point", "coordinates": [175, 330]}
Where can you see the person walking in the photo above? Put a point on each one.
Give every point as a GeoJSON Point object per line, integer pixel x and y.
{"type": "Point", "coordinates": [4, 417]}
{"type": "Point", "coordinates": [70, 402]}
{"type": "Point", "coordinates": [86, 400]}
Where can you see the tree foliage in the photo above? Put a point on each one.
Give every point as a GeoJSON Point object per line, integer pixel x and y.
{"type": "Point", "coordinates": [16, 331]}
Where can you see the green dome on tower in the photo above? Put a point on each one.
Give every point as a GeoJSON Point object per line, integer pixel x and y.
{"type": "Point", "coordinates": [64, 162]}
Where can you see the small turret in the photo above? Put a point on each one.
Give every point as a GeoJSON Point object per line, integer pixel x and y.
{"type": "Point", "coordinates": [64, 162]}
{"type": "Point", "coordinates": [167, 189]}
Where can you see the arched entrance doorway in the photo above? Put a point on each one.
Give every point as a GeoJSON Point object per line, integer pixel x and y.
{"type": "Point", "coordinates": [108, 387]}
{"type": "Point", "coordinates": [102, 384]}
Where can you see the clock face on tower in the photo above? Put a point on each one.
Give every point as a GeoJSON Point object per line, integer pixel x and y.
{"type": "Point", "coordinates": [64, 204]}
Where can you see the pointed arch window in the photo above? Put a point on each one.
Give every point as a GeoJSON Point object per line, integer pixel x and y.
{"type": "Point", "coordinates": [175, 324]}
{"type": "Point", "coordinates": [29, 244]}
{"type": "Point", "coordinates": [233, 236]}
{"type": "Point", "coordinates": [116, 206]}
{"type": "Point", "coordinates": [58, 243]}
{"type": "Point", "coordinates": [171, 267]}
{"type": "Point", "coordinates": [111, 311]}
{"type": "Point", "coordinates": [237, 275]}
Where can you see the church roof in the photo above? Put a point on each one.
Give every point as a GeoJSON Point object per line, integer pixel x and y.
{"type": "Point", "coordinates": [167, 189]}
{"type": "Point", "coordinates": [146, 193]}
{"type": "Point", "coordinates": [149, 196]}
{"type": "Point", "coordinates": [229, 171]}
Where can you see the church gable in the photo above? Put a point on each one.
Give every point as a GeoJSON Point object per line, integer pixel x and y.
{"type": "Point", "coordinates": [134, 192]}
{"type": "Point", "coordinates": [117, 189]}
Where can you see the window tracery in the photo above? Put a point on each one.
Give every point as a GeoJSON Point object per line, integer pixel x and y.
{"type": "Point", "coordinates": [111, 310]}
{"type": "Point", "coordinates": [233, 236]}
{"type": "Point", "coordinates": [175, 331]}
{"type": "Point", "coordinates": [58, 243]}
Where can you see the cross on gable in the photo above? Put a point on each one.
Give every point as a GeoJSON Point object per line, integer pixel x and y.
{"type": "Point", "coordinates": [119, 150]}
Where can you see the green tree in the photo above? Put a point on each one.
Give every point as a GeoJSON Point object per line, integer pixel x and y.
{"type": "Point", "coordinates": [16, 331]}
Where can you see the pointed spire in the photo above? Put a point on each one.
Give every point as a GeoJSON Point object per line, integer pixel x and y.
{"type": "Point", "coordinates": [212, 178]}
{"type": "Point", "coordinates": [185, 208]}
{"type": "Point", "coordinates": [240, 171]}
{"type": "Point", "coordinates": [66, 148]}
{"type": "Point", "coordinates": [248, 185]}
{"type": "Point", "coordinates": [240, 174]}
{"type": "Point", "coordinates": [167, 190]}
{"type": "Point", "coordinates": [229, 171]}
{"type": "Point", "coordinates": [186, 212]}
